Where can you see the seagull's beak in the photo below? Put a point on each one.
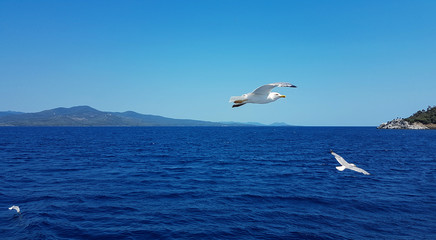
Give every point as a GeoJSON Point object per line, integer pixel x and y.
{"type": "Point", "coordinates": [282, 96]}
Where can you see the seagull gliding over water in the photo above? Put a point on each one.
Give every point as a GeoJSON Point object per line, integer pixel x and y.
{"type": "Point", "coordinates": [261, 95]}
{"type": "Point", "coordinates": [345, 164]}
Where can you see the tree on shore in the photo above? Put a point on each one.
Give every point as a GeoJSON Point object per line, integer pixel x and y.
{"type": "Point", "coordinates": [424, 116]}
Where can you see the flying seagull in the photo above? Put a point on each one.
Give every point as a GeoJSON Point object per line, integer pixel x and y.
{"type": "Point", "coordinates": [261, 95]}
{"type": "Point", "coordinates": [345, 164]}
{"type": "Point", "coordinates": [16, 208]}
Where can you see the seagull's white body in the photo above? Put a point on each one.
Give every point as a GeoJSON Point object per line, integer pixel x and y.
{"type": "Point", "coordinates": [261, 95]}
{"type": "Point", "coordinates": [16, 208]}
{"type": "Point", "coordinates": [345, 164]}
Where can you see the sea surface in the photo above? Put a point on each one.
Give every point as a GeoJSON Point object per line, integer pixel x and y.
{"type": "Point", "coordinates": [216, 183]}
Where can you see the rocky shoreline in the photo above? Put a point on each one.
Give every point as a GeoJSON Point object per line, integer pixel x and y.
{"type": "Point", "coordinates": [400, 123]}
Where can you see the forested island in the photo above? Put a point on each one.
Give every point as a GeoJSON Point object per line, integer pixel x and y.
{"type": "Point", "coordinates": [422, 119]}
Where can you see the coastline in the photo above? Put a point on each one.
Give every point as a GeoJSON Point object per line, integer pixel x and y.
{"type": "Point", "coordinates": [401, 123]}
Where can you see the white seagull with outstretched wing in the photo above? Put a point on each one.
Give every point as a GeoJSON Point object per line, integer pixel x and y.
{"type": "Point", "coordinates": [345, 164]}
{"type": "Point", "coordinates": [261, 95]}
{"type": "Point", "coordinates": [16, 208]}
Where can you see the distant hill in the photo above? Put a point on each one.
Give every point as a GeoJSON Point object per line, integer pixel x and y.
{"type": "Point", "coordinates": [88, 116]}
{"type": "Point", "coordinates": [276, 124]}
{"type": "Point", "coordinates": [9, 113]}
{"type": "Point", "coordinates": [280, 124]}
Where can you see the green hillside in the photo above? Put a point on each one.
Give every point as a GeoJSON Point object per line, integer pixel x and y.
{"type": "Point", "coordinates": [81, 116]}
{"type": "Point", "coordinates": [424, 116]}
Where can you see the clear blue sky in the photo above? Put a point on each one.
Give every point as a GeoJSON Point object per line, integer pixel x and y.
{"type": "Point", "coordinates": [356, 63]}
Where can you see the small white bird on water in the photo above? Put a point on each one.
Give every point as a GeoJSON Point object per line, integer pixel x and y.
{"type": "Point", "coordinates": [261, 95]}
{"type": "Point", "coordinates": [16, 208]}
{"type": "Point", "coordinates": [345, 164]}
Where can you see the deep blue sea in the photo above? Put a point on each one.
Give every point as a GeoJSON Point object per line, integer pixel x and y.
{"type": "Point", "coordinates": [216, 183]}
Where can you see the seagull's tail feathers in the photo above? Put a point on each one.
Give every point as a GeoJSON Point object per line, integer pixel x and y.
{"type": "Point", "coordinates": [340, 168]}
{"type": "Point", "coordinates": [236, 98]}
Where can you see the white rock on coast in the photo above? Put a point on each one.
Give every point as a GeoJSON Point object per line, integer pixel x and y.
{"type": "Point", "coordinates": [400, 123]}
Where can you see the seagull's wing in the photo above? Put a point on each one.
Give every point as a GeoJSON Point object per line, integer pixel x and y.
{"type": "Point", "coordinates": [340, 159]}
{"type": "Point", "coordinates": [266, 89]}
{"type": "Point", "coordinates": [359, 170]}
{"type": "Point", "coordinates": [16, 208]}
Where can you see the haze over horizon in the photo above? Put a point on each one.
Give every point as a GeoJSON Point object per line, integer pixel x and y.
{"type": "Point", "coordinates": [356, 63]}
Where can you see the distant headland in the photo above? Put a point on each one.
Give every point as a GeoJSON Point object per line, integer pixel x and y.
{"type": "Point", "coordinates": [423, 119]}
{"type": "Point", "coordinates": [85, 116]}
